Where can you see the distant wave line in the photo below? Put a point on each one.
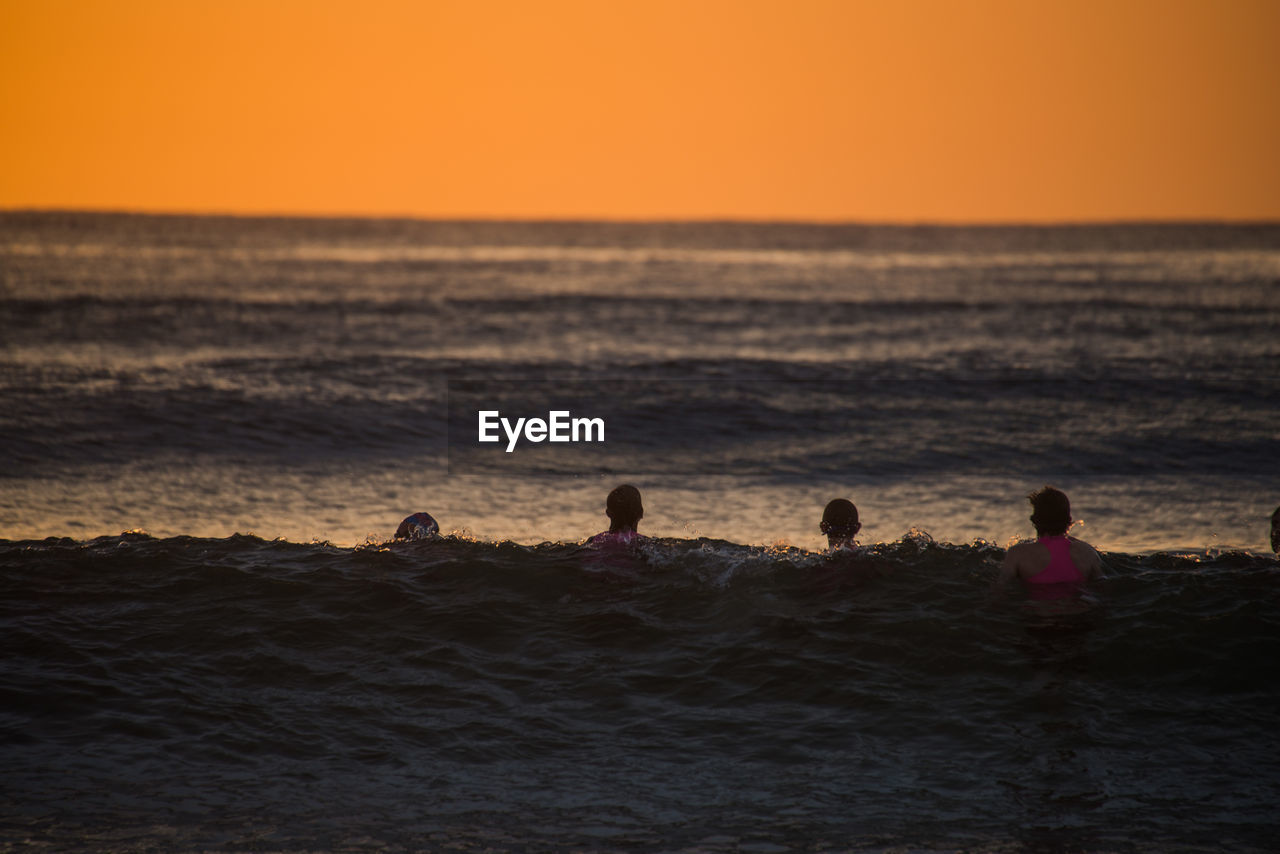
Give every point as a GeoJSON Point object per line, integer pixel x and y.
{"type": "Point", "coordinates": [1233, 260]}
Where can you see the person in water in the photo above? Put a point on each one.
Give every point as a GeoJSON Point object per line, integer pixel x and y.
{"type": "Point", "coordinates": [1275, 531]}
{"type": "Point", "coordinates": [625, 511]}
{"type": "Point", "coordinates": [1054, 558]}
{"type": "Point", "coordinates": [418, 526]}
{"type": "Point", "coordinates": [840, 524]}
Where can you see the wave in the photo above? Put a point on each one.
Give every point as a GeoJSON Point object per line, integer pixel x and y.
{"type": "Point", "coordinates": [174, 691]}
{"type": "Point", "coordinates": [301, 615]}
{"type": "Point", "coordinates": [908, 578]}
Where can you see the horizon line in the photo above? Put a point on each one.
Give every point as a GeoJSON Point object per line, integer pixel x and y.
{"type": "Point", "coordinates": [625, 220]}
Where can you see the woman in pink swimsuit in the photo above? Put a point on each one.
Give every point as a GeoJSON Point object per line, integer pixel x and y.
{"type": "Point", "coordinates": [1055, 565]}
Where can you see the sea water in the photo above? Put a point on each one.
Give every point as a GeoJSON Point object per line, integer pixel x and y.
{"type": "Point", "coordinates": [291, 378]}
{"type": "Point", "coordinates": [267, 398]}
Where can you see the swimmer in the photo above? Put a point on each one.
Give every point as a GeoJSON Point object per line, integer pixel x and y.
{"type": "Point", "coordinates": [418, 526]}
{"type": "Point", "coordinates": [840, 524]}
{"type": "Point", "coordinates": [625, 511]}
{"type": "Point", "coordinates": [1054, 558]}
{"type": "Point", "coordinates": [1275, 531]}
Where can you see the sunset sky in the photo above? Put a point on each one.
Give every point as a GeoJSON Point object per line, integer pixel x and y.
{"type": "Point", "coordinates": [903, 111]}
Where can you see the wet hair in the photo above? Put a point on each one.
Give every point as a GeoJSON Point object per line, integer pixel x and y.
{"type": "Point", "coordinates": [623, 508]}
{"type": "Point", "coordinates": [1050, 511]}
{"type": "Point", "coordinates": [840, 518]}
{"type": "Point", "coordinates": [418, 526]}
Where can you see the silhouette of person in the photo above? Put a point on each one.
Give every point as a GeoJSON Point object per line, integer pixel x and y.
{"type": "Point", "coordinates": [417, 526]}
{"type": "Point", "coordinates": [840, 523]}
{"type": "Point", "coordinates": [1054, 565]}
{"type": "Point", "coordinates": [624, 509]}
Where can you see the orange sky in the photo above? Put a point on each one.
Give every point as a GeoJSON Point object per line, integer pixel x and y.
{"type": "Point", "coordinates": [910, 110]}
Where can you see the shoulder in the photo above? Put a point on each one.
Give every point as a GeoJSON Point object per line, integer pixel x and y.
{"type": "Point", "coordinates": [1083, 553]}
{"type": "Point", "coordinates": [1082, 546]}
{"type": "Point", "coordinates": [1019, 560]}
{"type": "Point", "coordinates": [1022, 550]}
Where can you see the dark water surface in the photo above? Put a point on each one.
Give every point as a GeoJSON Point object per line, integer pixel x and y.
{"type": "Point", "coordinates": [251, 695]}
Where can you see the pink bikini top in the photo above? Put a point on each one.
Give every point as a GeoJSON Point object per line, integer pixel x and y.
{"type": "Point", "coordinates": [1061, 569]}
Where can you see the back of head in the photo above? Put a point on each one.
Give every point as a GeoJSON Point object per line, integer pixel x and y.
{"type": "Point", "coordinates": [623, 507]}
{"type": "Point", "coordinates": [1050, 511]}
{"type": "Point", "coordinates": [417, 526]}
{"type": "Point", "coordinates": [840, 518]}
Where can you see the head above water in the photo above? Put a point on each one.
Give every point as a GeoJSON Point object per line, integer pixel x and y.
{"type": "Point", "coordinates": [417, 526]}
{"type": "Point", "coordinates": [623, 508]}
{"type": "Point", "coordinates": [1275, 531]}
{"type": "Point", "coordinates": [840, 522]}
{"type": "Point", "coordinates": [1050, 512]}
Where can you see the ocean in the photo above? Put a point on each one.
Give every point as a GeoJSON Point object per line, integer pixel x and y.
{"type": "Point", "coordinates": [211, 426]}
